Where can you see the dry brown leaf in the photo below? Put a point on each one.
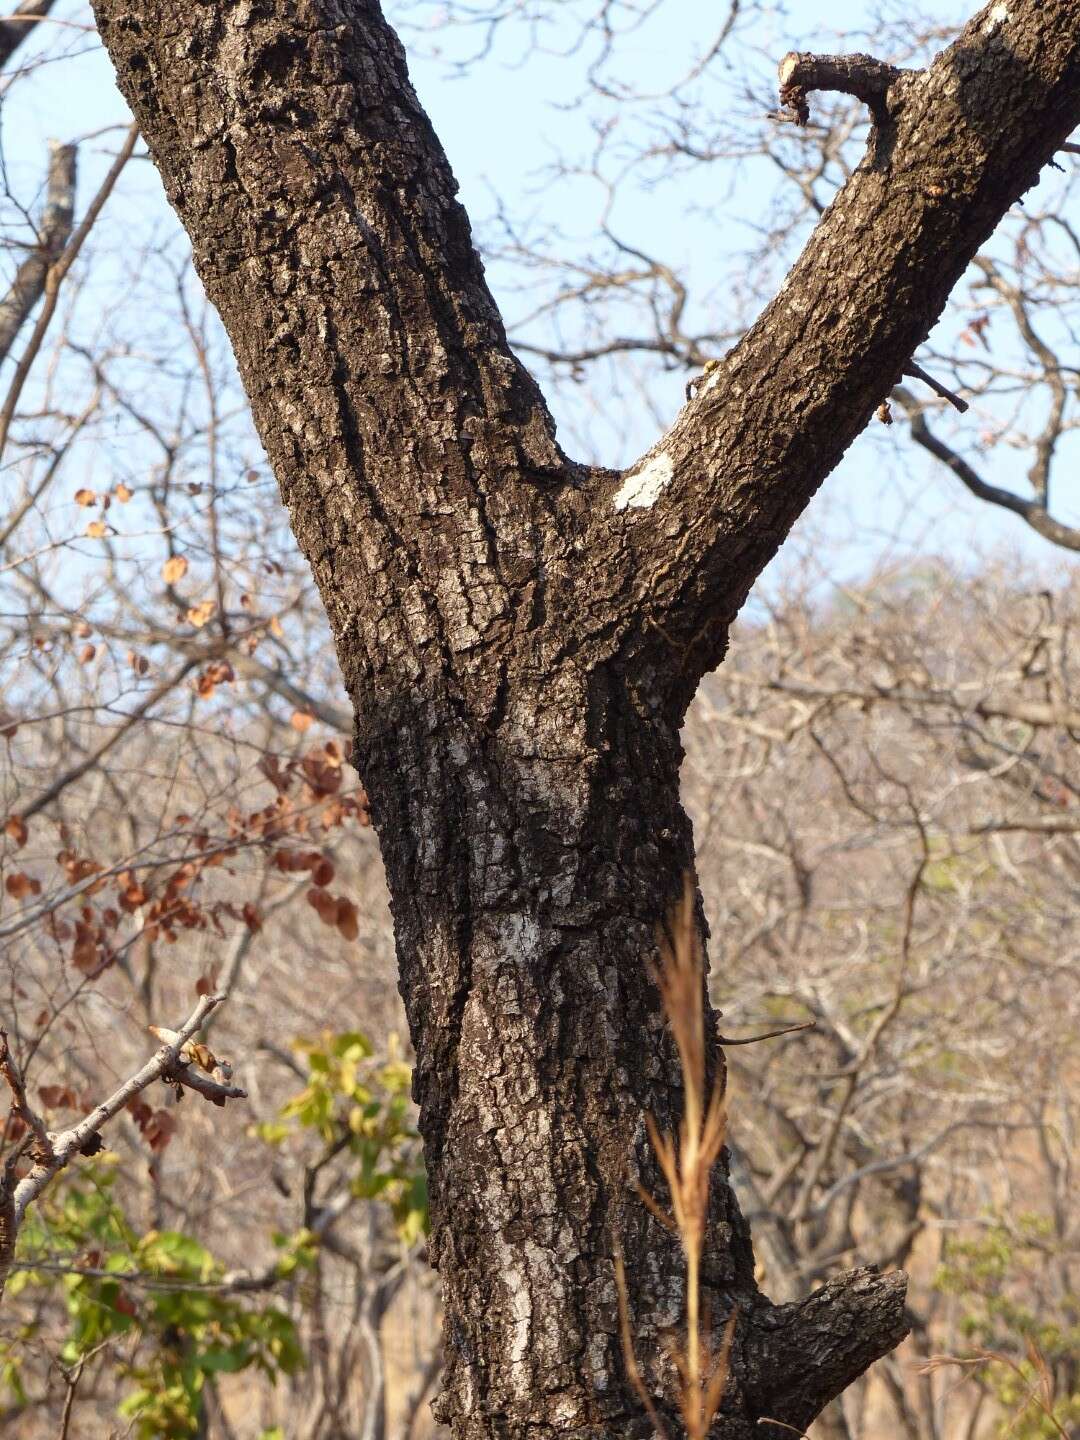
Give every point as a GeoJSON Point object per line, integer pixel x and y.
{"type": "Point", "coordinates": [347, 919]}
{"type": "Point", "coordinates": [201, 614]}
{"type": "Point", "coordinates": [19, 885]}
{"type": "Point", "coordinates": [57, 1097]}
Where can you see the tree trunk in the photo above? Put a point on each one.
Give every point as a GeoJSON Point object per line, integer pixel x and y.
{"type": "Point", "coordinates": [520, 635]}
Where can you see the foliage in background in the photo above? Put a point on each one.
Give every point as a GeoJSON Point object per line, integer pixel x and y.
{"type": "Point", "coordinates": [161, 1308]}
{"type": "Point", "coordinates": [1028, 1346]}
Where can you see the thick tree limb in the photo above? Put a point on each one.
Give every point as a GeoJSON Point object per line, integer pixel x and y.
{"type": "Point", "coordinates": [957, 145]}
{"type": "Point", "coordinates": [18, 25]}
{"type": "Point", "coordinates": [804, 1342]}
{"type": "Point", "coordinates": [29, 284]}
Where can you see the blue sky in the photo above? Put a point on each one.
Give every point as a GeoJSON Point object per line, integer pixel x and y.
{"type": "Point", "coordinates": [503, 122]}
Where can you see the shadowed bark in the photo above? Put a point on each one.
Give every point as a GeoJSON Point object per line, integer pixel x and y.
{"type": "Point", "coordinates": [520, 634]}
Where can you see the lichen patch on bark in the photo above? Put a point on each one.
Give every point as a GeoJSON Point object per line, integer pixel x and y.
{"type": "Point", "coordinates": [642, 487]}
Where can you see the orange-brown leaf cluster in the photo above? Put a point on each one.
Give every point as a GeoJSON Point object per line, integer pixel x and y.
{"type": "Point", "coordinates": [207, 681]}
{"type": "Point", "coordinates": [202, 613]}
{"type": "Point", "coordinates": [336, 911]}
{"type": "Point", "coordinates": [157, 1127]}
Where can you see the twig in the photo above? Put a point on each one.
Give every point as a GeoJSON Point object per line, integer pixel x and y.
{"type": "Point", "coordinates": [163, 1065]}
{"type": "Point", "coordinates": [71, 1380]}
{"type": "Point", "coordinates": [918, 373]}
{"type": "Point", "coordinates": [76, 772]}
{"type": "Point", "coordinates": [20, 1105]}
{"type": "Point", "coordinates": [768, 1035]}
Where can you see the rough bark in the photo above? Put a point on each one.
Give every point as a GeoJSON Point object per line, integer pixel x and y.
{"type": "Point", "coordinates": [520, 634]}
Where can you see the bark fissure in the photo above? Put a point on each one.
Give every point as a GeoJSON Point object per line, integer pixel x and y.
{"type": "Point", "coordinates": [520, 635]}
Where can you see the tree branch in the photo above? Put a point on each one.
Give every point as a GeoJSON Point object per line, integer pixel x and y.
{"type": "Point", "coordinates": [29, 284]}
{"type": "Point", "coordinates": [54, 278]}
{"type": "Point", "coordinates": [51, 1153]}
{"type": "Point", "coordinates": [918, 373]}
{"type": "Point", "coordinates": [94, 758]}
{"type": "Point", "coordinates": [1037, 713]}
{"type": "Point", "coordinates": [15, 29]}
{"type": "Point", "coordinates": [859, 75]}
{"type": "Point", "coordinates": [434, 343]}
{"type": "Point", "coordinates": [1030, 511]}
{"type": "Point", "coordinates": [819, 1345]}
{"type": "Point", "coordinates": [709, 506]}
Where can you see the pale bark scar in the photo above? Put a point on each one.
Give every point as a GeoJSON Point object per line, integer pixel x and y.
{"type": "Point", "coordinates": [642, 487]}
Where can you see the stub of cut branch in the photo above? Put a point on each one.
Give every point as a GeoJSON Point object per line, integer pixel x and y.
{"type": "Point", "coordinates": [859, 75]}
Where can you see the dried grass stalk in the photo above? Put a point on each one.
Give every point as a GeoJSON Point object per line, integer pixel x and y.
{"type": "Point", "coordinates": [686, 1164]}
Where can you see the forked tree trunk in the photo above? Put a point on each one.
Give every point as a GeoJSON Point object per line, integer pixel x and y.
{"type": "Point", "coordinates": [521, 635]}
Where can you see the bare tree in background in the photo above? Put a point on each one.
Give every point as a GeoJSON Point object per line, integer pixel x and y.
{"type": "Point", "coordinates": [520, 634]}
{"type": "Point", "coordinates": [884, 800]}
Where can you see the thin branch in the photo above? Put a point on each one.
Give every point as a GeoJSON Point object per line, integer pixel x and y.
{"type": "Point", "coordinates": [55, 279]}
{"type": "Point", "coordinates": [164, 1064]}
{"type": "Point", "coordinates": [1030, 510]}
{"type": "Point", "coordinates": [768, 1035]}
{"type": "Point", "coordinates": [50, 1154]}
{"type": "Point", "coordinates": [918, 373]}
{"type": "Point", "coordinates": [76, 772]}
{"type": "Point", "coordinates": [1036, 713]}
